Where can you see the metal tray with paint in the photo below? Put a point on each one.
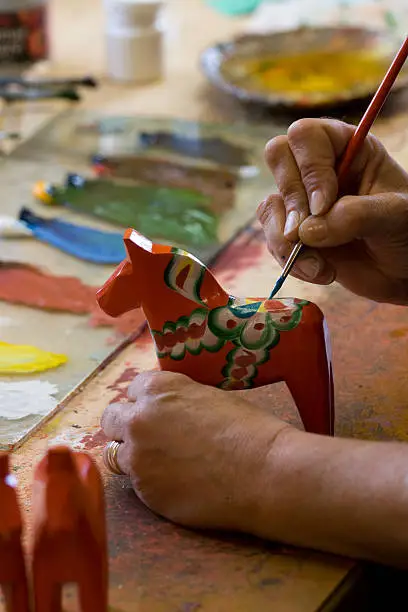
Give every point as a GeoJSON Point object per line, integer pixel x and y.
{"type": "Point", "coordinates": [65, 145]}
{"type": "Point", "coordinates": [303, 68]}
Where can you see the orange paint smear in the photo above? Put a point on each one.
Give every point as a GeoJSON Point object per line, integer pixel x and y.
{"type": "Point", "coordinates": [27, 285]}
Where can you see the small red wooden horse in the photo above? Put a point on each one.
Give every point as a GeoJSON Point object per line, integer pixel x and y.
{"type": "Point", "coordinates": [69, 532]}
{"type": "Point", "coordinates": [13, 577]}
{"type": "Point", "coordinates": [232, 343]}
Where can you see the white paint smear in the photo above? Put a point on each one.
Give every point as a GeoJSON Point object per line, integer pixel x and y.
{"type": "Point", "coordinates": [6, 322]}
{"type": "Point", "coordinates": [12, 228]}
{"type": "Point", "coordinates": [26, 398]}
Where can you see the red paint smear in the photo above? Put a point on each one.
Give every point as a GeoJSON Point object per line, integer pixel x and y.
{"type": "Point", "coordinates": [241, 253]}
{"type": "Point", "coordinates": [127, 376]}
{"type": "Point", "coordinates": [98, 439]}
{"type": "Point", "coordinates": [121, 384]}
{"type": "Point", "coordinates": [95, 440]}
{"type": "Point", "coordinates": [23, 284]}
{"type": "Point", "coordinates": [31, 287]}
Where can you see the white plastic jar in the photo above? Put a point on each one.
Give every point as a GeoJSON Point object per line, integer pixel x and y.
{"type": "Point", "coordinates": [134, 40]}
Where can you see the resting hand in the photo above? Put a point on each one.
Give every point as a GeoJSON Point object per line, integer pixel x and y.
{"type": "Point", "coordinates": [208, 458]}
{"type": "Point", "coordinates": [360, 240]}
{"type": "Point", "coordinates": [195, 454]}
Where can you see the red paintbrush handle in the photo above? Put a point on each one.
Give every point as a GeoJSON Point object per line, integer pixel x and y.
{"type": "Point", "coordinates": [372, 112]}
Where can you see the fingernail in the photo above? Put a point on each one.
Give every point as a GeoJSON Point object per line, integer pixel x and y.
{"type": "Point", "coordinates": [314, 230]}
{"type": "Point", "coordinates": [292, 222]}
{"type": "Point", "coordinates": [309, 267]}
{"type": "Point", "coordinates": [317, 202]}
{"type": "Point", "coordinates": [262, 211]}
{"type": "Point", "coordinates": [261, 207]}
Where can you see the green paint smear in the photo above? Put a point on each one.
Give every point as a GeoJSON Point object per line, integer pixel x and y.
{"type": "Point", "coordinates": [391, 20]}
{"type": "Point", "coordinates": [176, 215]}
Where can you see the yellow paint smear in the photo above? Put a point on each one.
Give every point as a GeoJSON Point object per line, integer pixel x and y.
{"type": "Point", "coordinates": [326, 72]}
{"type": "Point", "coordinates": [21, 359]}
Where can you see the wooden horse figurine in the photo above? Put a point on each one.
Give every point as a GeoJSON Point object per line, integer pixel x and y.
{"type": "Point", "coordinates": [13, 577]}
{"type": "Point", "coordinates": [232, 343]}
{"type": "Point", "coordinates": [69, 532]}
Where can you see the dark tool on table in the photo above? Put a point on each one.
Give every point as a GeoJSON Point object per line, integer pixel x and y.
{"type": "Point", "coordinates": [355, 144]}
{"type": "Point", "coordinates": [19, 89]}
{"type": "Point", "coordinates": [64, 83]}
{"type": "Point", "coordinates": [25, 95]}
{"type": "Point", "coordinates": [9, 135]}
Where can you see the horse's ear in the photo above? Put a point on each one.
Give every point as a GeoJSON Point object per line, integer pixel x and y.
{"type": "Point", "coordinates": [136, 243]}
{"type": "Point", "coordinates": [119, 294]}
{"type": "Point", "coordinates": [189, 277]}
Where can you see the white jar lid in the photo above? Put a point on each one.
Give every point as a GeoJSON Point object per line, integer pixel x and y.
{"type": "Point", "coordinates": [131, 13]}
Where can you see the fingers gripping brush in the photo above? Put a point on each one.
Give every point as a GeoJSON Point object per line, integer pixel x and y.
{"type": "Point", "coordinates": [354, 145]}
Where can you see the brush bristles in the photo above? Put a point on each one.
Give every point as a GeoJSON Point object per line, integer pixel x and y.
{"type": "Point", "coordinates": [277, 286]}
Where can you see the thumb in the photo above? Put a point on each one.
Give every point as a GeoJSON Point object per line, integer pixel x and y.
{"type": "Point", "coordinates": [357, 217]}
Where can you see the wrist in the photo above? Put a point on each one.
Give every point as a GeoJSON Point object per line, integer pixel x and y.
{"type": "Point", "coordinates": [256, 493]}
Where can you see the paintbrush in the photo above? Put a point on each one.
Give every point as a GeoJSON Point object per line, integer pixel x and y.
{"type": "Point", "coordinates": [355, 144]}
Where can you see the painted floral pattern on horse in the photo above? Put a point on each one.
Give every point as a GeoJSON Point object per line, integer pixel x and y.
{"type": "Point", "coordinates": [252, 326]}
{"type": "Point", "coordinates": [187, 334]}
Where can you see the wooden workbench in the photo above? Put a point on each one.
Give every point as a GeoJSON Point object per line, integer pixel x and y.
{"type": "Point", "coordinates": [155, 565]}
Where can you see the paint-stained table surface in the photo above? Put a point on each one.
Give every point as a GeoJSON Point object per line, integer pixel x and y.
{"type": "Point", "coordinates": [156, 566]}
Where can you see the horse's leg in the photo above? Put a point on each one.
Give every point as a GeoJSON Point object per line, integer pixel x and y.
{"type": "Point", "coordinates": [92, 590]}
{"type": "Point", "coordinates": [47, 590]}
{"type": "Point", "coordinates": [18, 594]}
{"type": "Point", "coordinates": [13, 576]}
{"type": "Point", "coordinates": [16, 597]}
{"type": "Point", "coordinates": [310, 381]}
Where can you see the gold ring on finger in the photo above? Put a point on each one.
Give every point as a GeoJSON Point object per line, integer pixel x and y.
{"type": "Point", "coordinates": [110, 457]}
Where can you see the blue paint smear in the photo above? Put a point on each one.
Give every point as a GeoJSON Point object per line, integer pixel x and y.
{"type": "Point", "coordinates": [82, 242]}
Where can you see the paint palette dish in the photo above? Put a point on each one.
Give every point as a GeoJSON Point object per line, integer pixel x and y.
{"type": "Point", "coordinates": [93, 176]}
{"type": "Point", "coordinates": [303, 68]}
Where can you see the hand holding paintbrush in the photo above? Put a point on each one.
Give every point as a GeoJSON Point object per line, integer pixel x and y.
{"type": "Point", "coordinates": [355, 144]}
